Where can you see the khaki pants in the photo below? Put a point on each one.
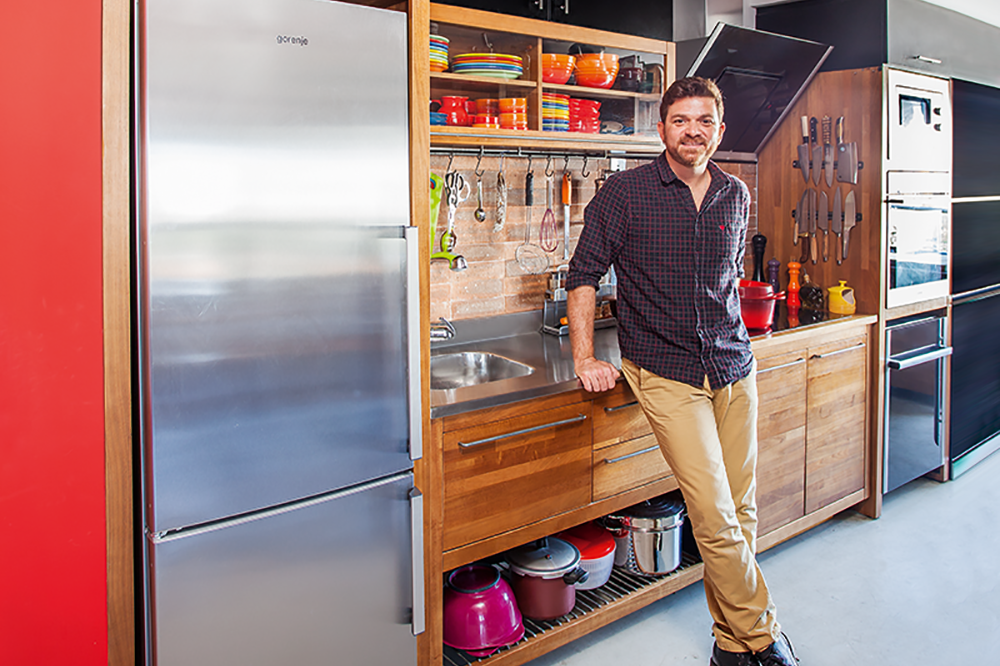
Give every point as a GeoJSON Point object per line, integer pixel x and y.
{"type": "Point", "coordinates": [709, 439]}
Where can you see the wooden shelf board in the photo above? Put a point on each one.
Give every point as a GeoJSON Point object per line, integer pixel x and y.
{"type": "Point", "coordinates": [450, 77]}
{"type": "Point", "coordinates": [442, 135]}
{"type": "Point", "coordinates": [584, 91]}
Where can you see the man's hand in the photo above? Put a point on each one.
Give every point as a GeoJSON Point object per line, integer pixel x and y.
{"type": "Point", "coordinates": [596, 375]}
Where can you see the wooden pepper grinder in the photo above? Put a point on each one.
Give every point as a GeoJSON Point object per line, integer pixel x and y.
{"type": "Point", "coordinates": [773, 265]}
{"type": "Point", "coordinates": [759, 242]}
{"type": "Point", "coordinates": [793, 301]}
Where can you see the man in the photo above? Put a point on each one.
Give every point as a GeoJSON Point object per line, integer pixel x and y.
{"type": "Point", "coordinates": [675, 230]}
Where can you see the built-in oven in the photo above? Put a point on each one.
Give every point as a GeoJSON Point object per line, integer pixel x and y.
{"type": "Point", "coordinates": [918, 117]}
{"type": "Point", "coordinates": [916, 366]}
{"type": "Point", "coordinates": [918, 252]}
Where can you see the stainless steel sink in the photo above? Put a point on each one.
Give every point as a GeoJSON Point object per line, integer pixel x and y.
{"type": "Point", "coordinates": [461, 369]}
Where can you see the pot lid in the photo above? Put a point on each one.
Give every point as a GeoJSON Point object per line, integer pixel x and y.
{"type": "Point", "coordinates": [660, 512]}
{"type": "Point", "coordinates": [592, 540]}
{"type": "Point", "coordinates": [546, 558]}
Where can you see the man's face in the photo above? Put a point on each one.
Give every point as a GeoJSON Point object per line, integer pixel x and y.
{"type": "Point", "coordinates": [692, 130]}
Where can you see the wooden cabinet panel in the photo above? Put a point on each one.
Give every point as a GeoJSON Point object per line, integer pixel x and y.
{"type": "Point", "coordinates": [501, 475]}
{"type": "Point", "coordinates": [628, 465]}
{"type": "Point", "coordinates": [618, 417]}
{"type": "Point", "coordinates": [781, 440]}
{"type": "Point", "coordinates": [835, 435]}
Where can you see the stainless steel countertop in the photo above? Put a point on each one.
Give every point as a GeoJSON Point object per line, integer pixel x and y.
{"type": "Point", "coordinates": [519, 338]}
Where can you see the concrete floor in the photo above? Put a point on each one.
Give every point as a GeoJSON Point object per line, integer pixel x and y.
{"type": "Point", "coordinates": [920, 585]}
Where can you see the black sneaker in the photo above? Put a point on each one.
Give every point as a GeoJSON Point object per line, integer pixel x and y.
{"type": "Point", "coordinates": [778, 653]}
{"type": "Point", "coordinates": [722, 657]}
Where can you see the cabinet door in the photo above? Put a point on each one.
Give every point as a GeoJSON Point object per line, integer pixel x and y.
{"type": "Point", "coordinates": [503, 475]}
{"type": "Point", "coordinates": [535, 9]}
{"type": "Point", "coordinates": [781, 440]}
{"type": "Point", "coordinates": [618, 417]}
{"type": "Point", "coordinates": [628, 465]}
{"type": "Point", "coordinates": [645, 18]}
{"type": "Point", "coordinates": [836, 431]}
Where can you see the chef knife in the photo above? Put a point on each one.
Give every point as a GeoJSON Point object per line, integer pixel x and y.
{"type": "Point", "coordinates": [823, 224]}
{"type": "Point", "coordinates": [847, 157]}
{"type": "Point", "coordinates": [849, 219]}
{"type": "Point", "coordinates": [813, 223]}
{"type": "Point", "coordinates": [837, 222]}
{"type": "Point", "coordinates": [817, 151]}
{"type": "Point", "coordinates": [827, 153]}
{"type": "Point", "coordinates": [801, 216]}
{"type": "Point", "coordinates": [803, 149]}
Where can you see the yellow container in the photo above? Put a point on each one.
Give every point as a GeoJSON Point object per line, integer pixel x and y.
{"type": "Point", "coordinates": [842, 299]}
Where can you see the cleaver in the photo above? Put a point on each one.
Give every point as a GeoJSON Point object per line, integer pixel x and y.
{"type": "Point", "coordinates": [850, 219]}
{"type": "Point", "coordinates": [847, 157]}
{"type": "Point", "coordinates": [823, 223]}
{"type": "Point", "coordinates": [827, 153]}
{"type": "Point", "coordinates": [817, 151]}
{"type": "Point", "coordinates": [837, 222]}
{"type": "Point", "coordinates": [803, 149]}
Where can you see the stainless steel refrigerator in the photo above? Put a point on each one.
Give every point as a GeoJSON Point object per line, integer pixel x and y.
{"type": "Point", "coordinates": [277, 334]}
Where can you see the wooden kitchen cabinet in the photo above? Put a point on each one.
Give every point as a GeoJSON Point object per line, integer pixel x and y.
{"type": "Point", "coordinates": [472, 30]}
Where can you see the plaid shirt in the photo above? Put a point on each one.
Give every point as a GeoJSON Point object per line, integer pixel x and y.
{"type": "Point", "coordinates": [677, 269]}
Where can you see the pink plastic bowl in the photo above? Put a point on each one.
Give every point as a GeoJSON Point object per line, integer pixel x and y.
{"type": "Point", "coordinates": [480, 612]}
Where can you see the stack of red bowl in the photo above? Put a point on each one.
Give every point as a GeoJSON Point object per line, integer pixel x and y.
{"type": "Point", "coordinates": [584, 116]}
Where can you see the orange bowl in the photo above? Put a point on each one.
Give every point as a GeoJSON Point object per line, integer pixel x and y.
{"type": "Point", "coordinates": [514, 105]}
{"type": "Point", "coordinates": [557, 60]}
{"type": "Point", "coordinates": [490, 106]}
{"type": "Point", "coordinates": [595, 80]}
{"type": "Point", "coordinates": [608, 59]}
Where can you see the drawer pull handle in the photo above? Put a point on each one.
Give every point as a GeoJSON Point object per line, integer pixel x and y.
{"type": "Point", "coordinates": [783, 365]}
{"type": "Point", "coordinates": [609, 410]}
{"type": "Point", "coordinates": [576, 419]}
{"type": "Point", "coordinates": [631, 455]}
{"type": "Point", "coordinates": [860, 345]}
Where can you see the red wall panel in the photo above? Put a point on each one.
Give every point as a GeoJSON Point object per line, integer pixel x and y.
{"type": "Point", "coordinates": [52, 537]}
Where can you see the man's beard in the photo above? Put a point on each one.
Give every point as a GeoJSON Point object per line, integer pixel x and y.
{"type": "Point", "coordinates": [696, 161]}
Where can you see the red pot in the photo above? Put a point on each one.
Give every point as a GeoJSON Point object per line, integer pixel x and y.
{"type": "Point", "coordinates": [757, 303]}
{"type": "Point", "coordinates": [543, 576]}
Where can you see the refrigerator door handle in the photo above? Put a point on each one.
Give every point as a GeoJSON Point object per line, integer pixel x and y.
{"type": "Point", "coordinates": [417, 520]}
{"type": "Point", "coordinates": [414, 392]}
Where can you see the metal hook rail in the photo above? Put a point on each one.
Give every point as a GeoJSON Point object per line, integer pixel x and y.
{"type": "Point", "coordinates": [548, 154]}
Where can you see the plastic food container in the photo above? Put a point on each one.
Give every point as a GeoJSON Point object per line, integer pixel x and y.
{"type": "Point", "coordinates": [597, 553]}
{"type": "Point", "coordinates": [648, 535]}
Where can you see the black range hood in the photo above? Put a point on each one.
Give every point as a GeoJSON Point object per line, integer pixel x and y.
{"type": "Point", "coordinates": [760, 74]}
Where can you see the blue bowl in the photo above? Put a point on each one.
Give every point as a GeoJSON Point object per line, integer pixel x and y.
{"type": "Point", "coordinates": [438, 118]}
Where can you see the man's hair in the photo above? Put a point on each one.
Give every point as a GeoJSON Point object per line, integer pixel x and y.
{"type": "Point", "coordinates": [692, 86]}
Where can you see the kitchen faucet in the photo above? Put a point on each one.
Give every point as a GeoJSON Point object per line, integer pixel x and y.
{"type": "Point", "coordinates": [442, 329]}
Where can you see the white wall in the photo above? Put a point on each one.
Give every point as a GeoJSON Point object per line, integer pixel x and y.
{"type": "Point", "coordinates": [987, 11]}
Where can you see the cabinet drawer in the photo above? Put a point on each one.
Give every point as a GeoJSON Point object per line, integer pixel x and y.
{"type": "Point", "coordinates": [628, 465]}
{"type": "Point", "coordinates": [503, 475]}
{"type": "Point", "coordinates": [618, 417]}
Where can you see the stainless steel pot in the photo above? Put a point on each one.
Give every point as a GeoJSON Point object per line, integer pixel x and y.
{"type": "Point", "coordinates": [543, 575]}
{"type": "Point", "coordinates": [648, 535]}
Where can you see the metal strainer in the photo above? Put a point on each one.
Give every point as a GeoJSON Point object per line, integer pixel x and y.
{"type": "Point", "coordinates": [531, 258]}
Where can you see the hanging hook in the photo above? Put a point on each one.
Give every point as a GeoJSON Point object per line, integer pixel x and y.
{"type": "Point", "coordinates": [549, 171]}
{"type": "Point", "coordinates": [451, 158]}
{"type": "Point", "coordinates": [478, 162]}
{"type": "Point", "coordinates": [529, 163]}
{"type": "Point", "coordinates": [566, 162]}
{"type": "Point", "coordinates": [502, 155]}
{"type": "Point", "coordinates": [583, 172]}
{"type": "Point", "coordinates": [487, 40]}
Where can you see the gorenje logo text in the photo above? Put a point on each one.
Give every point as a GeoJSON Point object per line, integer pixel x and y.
{"type": "Point", "coordinates": [285, 39]}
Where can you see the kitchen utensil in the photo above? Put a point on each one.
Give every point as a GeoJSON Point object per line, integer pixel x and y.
{"type": "Point", "coordinates": [544, 574]}
{"type": "Point", "coordinates": [453, 107]}
{"type": "Point", "coordinates": [816, 166]}
{"type": "Point", "coordinates": [597, 553]}
{"type": "Point", "coordinates": [501, 199]}
{"type": "Point", "coordinates": [759, 243]}
{"type": "Point", "coordinates": [801, 216]}
{"type": "Point", "coordinates": [837, 222]}
{"type": "Point", "coordinates": [457, 191]}
{"type": "Point", "coordinates": [803, 148]}
{"type": "Point", "coordinates": [531, 258]}
{"type": "Point", "coordinates": [773, 266]}
{"type": "Point", "coordinates": [827, 152]}
{"type": "Point", "coordinates": [567, 199]}
{"type": "Point", "coordinates": [437, 194]}
{"type": "Point", "coordinates": [793, 286]}
{"type": "Point", "coordinates": [823, 223]}
{"type": "Point", "coordinates": [480, 213]}
{"type": "Point", "coordinates": [480, 611]}
{"type": "Point", "coordinates": [757, 301]}
{"type": "Point", "coordinates": [847, 157]}
{"type": "Point", "coordinates": [547, 235]}
{"type": "Point", "coordinates": [842, 299]}
{"type": "Point", "coordinates": [849, 219]}
{"type": "Point", "coordinates": [813, 223]}
{"type": "Point", "coordinates": [648, 535]}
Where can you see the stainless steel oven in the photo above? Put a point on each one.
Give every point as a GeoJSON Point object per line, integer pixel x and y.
{"type": "Point", "coordinates": [918, 248]}
{"type": "Point", "coordinates": [915, 371]}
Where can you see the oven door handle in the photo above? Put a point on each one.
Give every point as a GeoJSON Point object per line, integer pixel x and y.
{"type": "Point", "coordinates": [896, 364]}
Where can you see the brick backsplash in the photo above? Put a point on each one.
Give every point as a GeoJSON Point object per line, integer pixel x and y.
{"type": "Point", "coordinates": [494, 283]}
